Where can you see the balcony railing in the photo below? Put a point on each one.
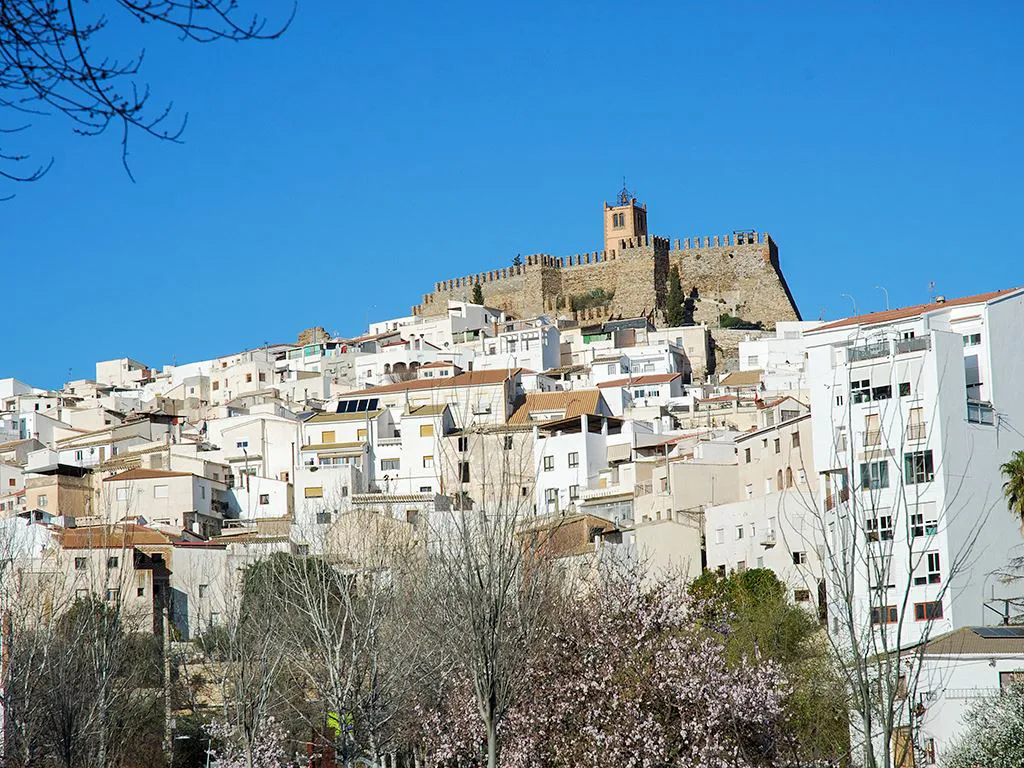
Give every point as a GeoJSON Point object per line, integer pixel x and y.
{"type": "Point", "coordinates": [916, 344]}
{"type": "Point", "coordinates": [916, 431]}
{"type": "Point", "coordinates": [868, 351]}
{"type": "Point", "coordinates": [768, 539]}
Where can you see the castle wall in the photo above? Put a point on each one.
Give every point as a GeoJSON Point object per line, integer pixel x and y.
{"type": "Point", "coordinates": [738, 274]}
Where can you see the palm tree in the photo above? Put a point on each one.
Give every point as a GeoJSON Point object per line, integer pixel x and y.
{"type": "Point", "coordinates": [1013, 488]}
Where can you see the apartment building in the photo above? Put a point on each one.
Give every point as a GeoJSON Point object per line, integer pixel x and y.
{"type": "Point", "coordinates": [177, 499]}
{"type": "Point", "coordinates": [776, 523]}
{"type": "Point", "coordinates": [913, 413]}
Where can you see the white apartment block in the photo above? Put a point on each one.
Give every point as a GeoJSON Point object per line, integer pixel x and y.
{"type": "Point", "coordinates": [913, 415]}
{"type": "Point", "coordinates": [532, 344]}
{"type": "Point", "coordinates": [782, 358]}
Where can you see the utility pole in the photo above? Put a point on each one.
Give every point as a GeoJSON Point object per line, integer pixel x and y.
{"type": "Point", "coordinates": [168, 712]}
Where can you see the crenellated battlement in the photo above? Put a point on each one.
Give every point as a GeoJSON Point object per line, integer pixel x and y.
{"type": "Point", "coordinates": [736, 272]}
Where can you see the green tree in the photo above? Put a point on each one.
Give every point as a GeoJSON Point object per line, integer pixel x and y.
{"type": "Point", "coordinates": [674, 301]}
{"type": "Point", "coordinates": [1013, 487]}
{"type": "Point", "coordinates": [478, 294]}
{"type": "Point", "coordinates": [761, 621]}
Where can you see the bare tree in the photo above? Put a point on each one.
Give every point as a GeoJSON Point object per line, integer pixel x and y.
{"type": "Point", "coordinates": [48, 65]}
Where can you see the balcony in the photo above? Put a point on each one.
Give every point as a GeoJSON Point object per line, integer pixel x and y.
{"type": "Point", "coordinates": [916, 432]}
{"type": "Point", "coordinates": [916, 344]}
{"type": "Point", "coordinates": [867, 352]}
{"type": "Point", "coordinates": [381, 441]}
{"type": "Point", "coordinates": [768, 539]}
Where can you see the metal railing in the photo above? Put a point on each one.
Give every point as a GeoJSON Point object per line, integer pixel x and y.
{"type": "Point", "coordinates": [868, 351]}
{"type": "Point", "coordinates": [917, 431]}
{"type": "Point", "coordinates": [973, 693]}
{"type": "Point", "coordinates": [916, 344]}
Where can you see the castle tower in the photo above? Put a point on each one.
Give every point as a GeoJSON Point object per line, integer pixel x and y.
{"type": "Point", "coordinates": [625, 219]}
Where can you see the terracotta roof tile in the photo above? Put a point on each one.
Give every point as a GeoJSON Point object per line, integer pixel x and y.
{"type": "Point", "coordinates": [902, 313]}
{"type": "Point", "coordinates": [741, 379]}
{"type": "Point", "coordinates": [112, 537]}
{"type": "Point", "coordinates": [575, 402]}
{"type": "Point", "coordinates": [145, 474]}
{"type": "Point", "coordinates": [651, 378]}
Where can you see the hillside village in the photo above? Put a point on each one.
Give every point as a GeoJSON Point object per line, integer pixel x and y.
{"type": "Point", "coordinates": [806, 448]}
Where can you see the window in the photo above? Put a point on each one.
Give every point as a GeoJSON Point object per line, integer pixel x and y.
{"type": "Point", "coordinates": [263, 376]}
{"type": "Point", "coordinates": [795, 440]}
{"type": "Point", "coordinates": [549, 463]}
{"type": "Point", "coordinates": [426, 430]}
{"type": "Point", "coordinates": [881, 393]}
{"type": "Point", "coordinates": [860, 391]}
{"type": "Point", "coordinates": [904, 389]}
{"type": "Point", "coordinates": [574, 492]}
{"type": "Point", "coordinates": [921, 527]}
{"type": "Point", "coordinates": [507, 442]}
{"type": "Point", "coordinates": [874, 475]}
{"type": "Point", "coordinates": [113, 562]}
{"type": "Point", "coordinates": [778, 445]}
{"type": "Point", "coordinates": [316, 492]}
{"type": "Point", "coordinates": [720, 536]}
{"type": "Point", "coordinates": [884, 614]}
{"type": "Point", "coordinates": [746, 455]}
{"type": "Point", "coordinates": [928, 611]}
{"type": "Point", "coordinates": [121, 494]}
{"type": "Point", "coordinates": [972, 340]}
{"type": "Point", "coordinates": [752, 361]}
{"type": "Point", "coordinates": [464, 471]}
{"type": "Point", "coordinates": [778, 480]}
{"type": "Point", "coordinates": [216, 386]}
{"type": "Point", "coordinates": [140, 591]}
{"type": "Point", "coordinates": [43, 500]}
{"type": "Point", "coordinates": [551, 496]}
{"type": "Point", "coordinates": [918, 468]}
{"type": "Point", "coordinates": [203, 589]}
{"type": "Point", "coordinates": [799, 558]}
{"type": "Point", "coordinates": [934, 574]}
{"type": "Point", "coordinates": [574, 459]}
{"type": "Point", "coordinates": [248, 378]}
{"type": "Point", "coordinates": [327, 436]}
{"type": "Point", "coordinates": [428, 462]}
{"type": "Point", "coordinates": [390, 464]}
{"type": "Point", "coordinates": [323, 518]}
{"type": "Point", "coordinates": [879, 528]}
{"type": "Point", "coordinates": [749, 491]}
{"type": "Point", "coordinates": [802, 595]}
{"type": "Point", "coordinates": [159, 491]}
{"type": "Point", "coordinates": [741, 566]}
{"type": "Point", "coordinates": [463, 444]}
{"type": "Point", "coordinates": [80, 563]}
{"type": "Point", "coordinates": [739, 532]}
{"type": "Point", "coordinates": [264, 498]}
{"type": "Point", "coordinates": [839, 401]}
{"type": "Point", "coordinates": [360, 434]}
{"type": "Point", "coordinates": [801, 476]}
{"type": "Point", "coordinates": [113, 594]}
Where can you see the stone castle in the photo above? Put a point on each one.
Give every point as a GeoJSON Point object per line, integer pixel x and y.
{"type": "Point", "coordinates": [736, 274]}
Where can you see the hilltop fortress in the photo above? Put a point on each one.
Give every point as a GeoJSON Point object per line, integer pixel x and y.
{"type": "Point", "coordinates": [736, 274]}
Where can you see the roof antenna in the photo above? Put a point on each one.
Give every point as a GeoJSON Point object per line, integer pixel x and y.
{"type": "Point", "coordinates": [931, 291]}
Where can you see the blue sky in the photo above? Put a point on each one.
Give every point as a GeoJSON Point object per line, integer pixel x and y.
{"type": "Point", "coordinates": [335, 174]}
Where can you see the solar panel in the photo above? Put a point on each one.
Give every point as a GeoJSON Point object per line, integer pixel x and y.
{"type": "Point", "coordinates": [992, 633]}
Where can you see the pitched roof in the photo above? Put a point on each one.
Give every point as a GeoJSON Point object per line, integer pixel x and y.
{"type": "Point", "coordinates": [434, 409]}
{"type": "Point", "coordinates": [439, 364]}
{"type": "Point", "coordinates": [651, 378]}
{"type": "Point", "coordinates": [902, 313]}
{"type": "Point", "coordinates": [112, 537]}
{"type": "Point", "coordinates": [575, 402]}
{"type": "Point", "coordinates": [468, 379]}
{"type": "Point", "coordinates": [145, 474]}
{"type": "Point", "coordinates": [969, 640]}
{"type": "Point", "coordinates": [741, 379]}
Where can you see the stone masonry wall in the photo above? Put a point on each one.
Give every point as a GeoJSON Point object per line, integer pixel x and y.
{"type": "Point", "coordinates": [738, 274]}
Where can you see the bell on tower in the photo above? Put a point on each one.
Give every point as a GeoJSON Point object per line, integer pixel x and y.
{"type": "Point", "coordinates": [623, 220]}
